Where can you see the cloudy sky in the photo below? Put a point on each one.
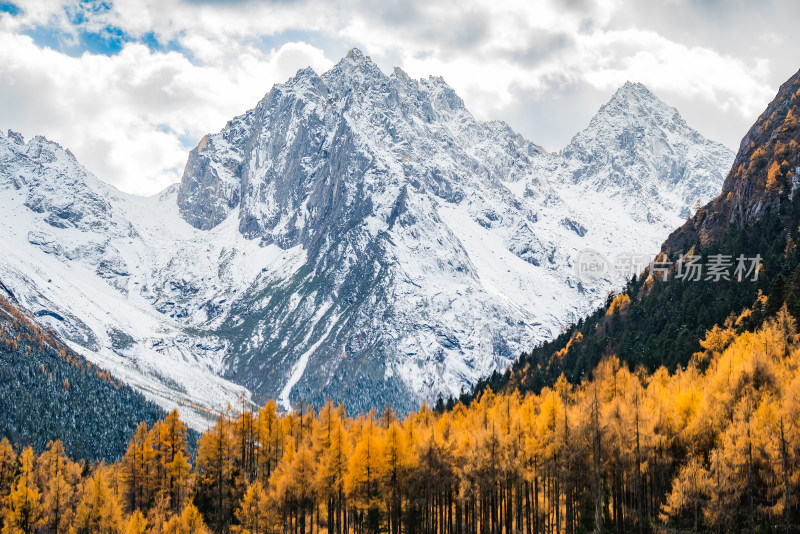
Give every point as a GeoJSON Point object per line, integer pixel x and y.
{"type": "Point", "coordinates": [131, 85]}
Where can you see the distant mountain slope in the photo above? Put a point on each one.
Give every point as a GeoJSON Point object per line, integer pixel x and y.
{"type": "Point", "coordinates": [655, 322]}
{"type": "Point", "coordinates": [49, 392]}
{"type": "Point", "coordinates": [110, 273]}
{"type": "Point", "coordinates": [356, 236]}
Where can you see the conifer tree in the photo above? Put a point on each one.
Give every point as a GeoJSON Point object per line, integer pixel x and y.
{"type": "Point", "coordinates": [332, 450]}
{"type": "Point", "coordinates": [397, 463]}
{"type": "Point", "coordinates": [23, 510]}
{"type": "Point", "coordinates": [215, 472]}
{"type": "Point", "coordinates": [59, 476]}
{"type": "Point", "coordinates": [135, 473]}
{"type": "Point", "coordinates": [8, 461]}
{"type": "Point", "coordinates": [365, 468]}
{"type": "Point", "coordinates": [688, 492]}
{"type": "Point", "coordinates": [253, 514]}
{"type": "Point", "coordinates": [137, 524]}
{"type": "Point", "coordinates": [99, 510]}
{"type": "Point", "coordinates": [171, 453]}
{"type": "Point", "coordinates": [271, 439]}
{"type": "Point", "coordinates": [188, 522]}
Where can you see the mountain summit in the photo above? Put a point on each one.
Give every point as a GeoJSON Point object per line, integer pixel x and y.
{"type": "Point", "coordinates": [662, 320]}
{"type": "Point", "coordinates": [356, 236]}
{"type": "Point", "coordinates": [639, 147]}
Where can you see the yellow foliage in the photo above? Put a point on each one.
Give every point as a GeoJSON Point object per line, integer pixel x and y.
{"type": "Point", "coordinates": [137, 524]}
{"type": "Point", "coordinates": [790, 123]}
{"type": "Point", "coordinates": [773, 176]}
{"type": "Point", "coordinates": [562, 352]}
{"type": "Point", "coordinates": [744, 316]}
{"type": "Point", "coordinates": [321, 471]}
{"type": "Point", "coordinates": [8, 462]}
{"type": "Point", "coordinates": [189, 522]}
{"type": "Point", "coordinates": [718, 339]}
{"type": "Point", "coordinates": [688, 489]}
{"type": "Point", "coordinates": [687, 404]}
{"type": "Point", "coordinates": [253, 513]}
{"type": "Point", "coordinates": [619, 304]}
{"type": "Point", "coordinates": [758, 157]}
{"type": "Point", "coordinates": [99, 509]}
{"type": "Point", "coordinates": [23, 511]}
{"type": "Point", "coordinates": [761, 301]}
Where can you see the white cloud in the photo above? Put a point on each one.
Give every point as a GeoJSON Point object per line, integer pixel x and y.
{"type": "Point", "coordinates": [609, 59]}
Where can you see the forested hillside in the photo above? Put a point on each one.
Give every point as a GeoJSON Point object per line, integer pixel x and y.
{"type": "Point", "coordinates": [48, 392]}
{"type": "Point", "coordinates": [654, 322]}
{"type": "Point", "coordinates": [713, 447]}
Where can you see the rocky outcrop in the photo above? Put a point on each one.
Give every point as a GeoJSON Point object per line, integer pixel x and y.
{"type": "Point", "coordinates": [765, 171]}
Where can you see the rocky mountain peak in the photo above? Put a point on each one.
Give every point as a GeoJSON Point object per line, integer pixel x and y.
{"type": "Point", "coordinates": [16, 137]}
{"type": "Point", "coordinates": [634, 90]}
{"type": "Point", "coordinates": [306, 73]}
{"type": "Point", "coordinates": [355, 71]}
{"type": "Point", "coordinates": [356, 55]}
{"type": "Point", "coordinates": [639, 147]}
{"type": "Point", "coordinates": [400, 74]}
{"type": "Point", "coordinates": [53, 183]}
{"type": "Point", "coordinates": [387, 184]}
{"type": "Point", "coordinates": [634, 108]}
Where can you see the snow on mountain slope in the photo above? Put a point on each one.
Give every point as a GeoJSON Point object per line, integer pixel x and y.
{"type": "Point", "coordinates": [109, 271]}
{"type": "Point", "coordinates": [355, 236]}
{"type": "Point", "coordinates": [640, 151]}
{"type": "Point", "coordinates": [438, 247]}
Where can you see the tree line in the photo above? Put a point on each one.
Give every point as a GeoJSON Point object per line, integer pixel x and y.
{"type": "Point", "coordinates": [47, 390]}
{"type": "Point", "coordinates": [714, 446]}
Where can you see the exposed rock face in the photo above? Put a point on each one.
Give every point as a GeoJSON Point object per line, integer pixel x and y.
{"type": "Point", "coordinates": [114, 275]}
{"type": "Point", "coordinates": [390, 186]}
{"type": "Point", "coordinates": [766, 169]}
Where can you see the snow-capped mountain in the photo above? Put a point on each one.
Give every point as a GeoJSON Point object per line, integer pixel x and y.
{"type": "Point", "coordinates": [356, 236]}
{"type": "Point", "coordinates": [640, 149]}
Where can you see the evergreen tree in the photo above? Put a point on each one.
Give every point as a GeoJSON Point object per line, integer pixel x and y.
{"type": "Point", "coordinates": [253, 513]}
{"type": "Point", "coordinates": [137, 524]}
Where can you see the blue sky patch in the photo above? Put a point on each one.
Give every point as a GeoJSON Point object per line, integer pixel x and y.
{"type": "Point", "coordinates": [11, 9]}
{"type": "Point", "coordinates": [87, 31]}
{"type": "Point", "coordinates": [109, 41]}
